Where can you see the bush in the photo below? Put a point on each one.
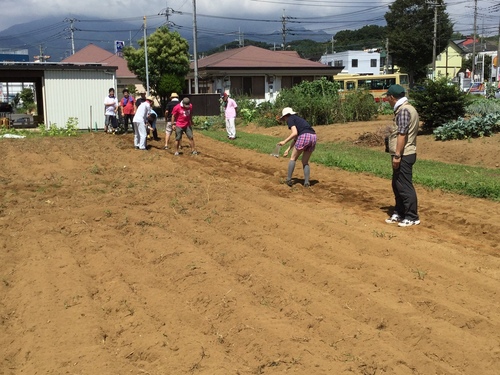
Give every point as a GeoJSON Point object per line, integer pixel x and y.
{"type": "Point", "coordinates": [439, 102]}
{"type": "Point", "coordinates": [317, 101]}
{"type": "Point", "coordinates": [480, 126]}
{"type": "Point", "coordinates": [70, 130]}
{"type": "Point", "coordinates": [384, 108]}
{"type": "Point", "coordinates": [247, 108]}
{"type": "Point", "coordinates": [208, 122]}
{"type": "Point", "coordinates": [359, 106]}
{"type": "Point", "coordinates": [480, 106]}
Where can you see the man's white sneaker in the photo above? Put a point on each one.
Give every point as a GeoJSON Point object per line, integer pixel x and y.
{"type": "Point", "coordinates": [408, 223]}
{"type": "Point", "coordinates": [394, 219]}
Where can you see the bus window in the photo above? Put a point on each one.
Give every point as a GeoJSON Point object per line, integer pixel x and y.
{"type": "Point", "coordinates": [377, 85]}
{"type": "Point", "coordinates": [388, 82]}
{"type": "Point", "coordinates": [364, 84]}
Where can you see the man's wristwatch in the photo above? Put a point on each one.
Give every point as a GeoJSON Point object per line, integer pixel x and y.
{"type": "Point", "coordinates": [397, 157]}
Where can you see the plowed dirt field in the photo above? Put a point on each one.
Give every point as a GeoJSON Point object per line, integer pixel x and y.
{"type": "Point", "coordinates": [117, 261]}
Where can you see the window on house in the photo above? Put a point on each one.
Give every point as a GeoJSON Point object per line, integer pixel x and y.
{"type": "Point", "coordinates": [354, 63]}
{"type": "Point", "coordinates": [373, 63]}
{"type": "Point", "coordinates": [286, 82]}
{"type": "Point", "coordinates": [338, 63]}
{"type": "Point", "coordinates": [253, 87]}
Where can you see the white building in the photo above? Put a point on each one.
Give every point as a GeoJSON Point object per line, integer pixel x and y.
{"type": "Point", "coordinates": [354, 62]}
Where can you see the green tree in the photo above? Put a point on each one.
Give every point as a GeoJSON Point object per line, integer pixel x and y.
{"type": "Point", "coordinates": [410, 29]}
{"type": "Point", "coordinates": [371, 36]}
{"type": "Point", "coordinates": [168, 62]}
{"type": "Point", "coordinates": [27, 96]}
{"type": "Point", "coordinates": [439, 102]}
{"type": "Point", "coordinates": [317, 101]}
{"type": "Point", "coordinates": [309, 49]}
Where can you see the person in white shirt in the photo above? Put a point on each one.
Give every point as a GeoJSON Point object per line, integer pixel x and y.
{"type": "Point", "coordinates": [110, 110]}
{"type": "Point", "coordinates": [141, 123]}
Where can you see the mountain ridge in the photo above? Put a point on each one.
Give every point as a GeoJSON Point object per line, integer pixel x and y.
{"type": "Point", "coordinates": [52, 36]}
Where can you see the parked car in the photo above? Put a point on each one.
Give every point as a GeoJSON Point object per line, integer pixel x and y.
{"type": "Point", "coordinates": [6, 107]}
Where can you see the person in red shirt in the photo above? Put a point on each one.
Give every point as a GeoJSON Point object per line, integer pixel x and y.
{"type": "Point", "coordinates": [128, 109]}
{"type": "Point", "coordinates": [182, 122]}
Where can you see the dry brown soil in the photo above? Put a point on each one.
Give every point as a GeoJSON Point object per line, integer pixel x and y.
{"type": "Point", "coordinates": [117, 261]}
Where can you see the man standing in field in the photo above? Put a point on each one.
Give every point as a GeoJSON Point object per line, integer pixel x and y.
{"type": "Point", "coordinates": [141, 123]}
{"type": "Point", "coordinates": [182, 122]}
{"type": "Point", "coordinates": [403, 150]}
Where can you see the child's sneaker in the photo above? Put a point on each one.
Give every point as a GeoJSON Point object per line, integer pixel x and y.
{"type": "Point", "coordinates": [408, 223]}
{"type": "Point", "coordinates": [395, 218]}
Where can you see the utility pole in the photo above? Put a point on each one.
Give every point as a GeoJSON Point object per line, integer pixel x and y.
{"type": "Point", "coordinates": [283, 30]}
{"type": "Point", "coordinates": [497, 65]}
{"type": "Point", "coordinates": [167, 13]}
{"type": "Point", "coordinates": [241, 39]}
{"type": "Point", "coordinates": [146, 56]}
{"type": "Point", "coordinates": [72, 29]}
{"type": "Point", "coordinates": [41, 58]}
{"type": "Point", "coordinates": [72, 33]}
{"type": "Point", "coordinates": [434, 42]}
{"type": "Point", "coordinates": [195, 48]}
{"type": "Point", "coordinates": [386, 69]}
{"type": "Point", "coordinates": [474, 42]}
{"type": "Point", "coordinates": [434, 36]}
{"type": "Point", "coordinates": [333, 44]}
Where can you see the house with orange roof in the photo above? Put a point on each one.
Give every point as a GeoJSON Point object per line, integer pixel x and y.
{"type": "Point", "coordinates": [93, 54]}
{"type": "Point", "coordinates": [256, 72]}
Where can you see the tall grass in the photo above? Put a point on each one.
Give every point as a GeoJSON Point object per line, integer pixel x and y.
{"type": "Point", "coordinates": [466, 180]}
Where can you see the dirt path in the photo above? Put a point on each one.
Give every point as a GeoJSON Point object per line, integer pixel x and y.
{"type": "Point", "coordinates": [117, 261]}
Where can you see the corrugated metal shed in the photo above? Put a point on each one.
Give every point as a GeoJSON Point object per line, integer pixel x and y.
{"type": "Point", "coordinates": [76, 93]}
{"type": "Point", "coordinates": [65, 90]}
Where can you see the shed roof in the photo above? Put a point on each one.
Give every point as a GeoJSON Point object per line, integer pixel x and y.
{"type": "Point", "coordinates": [94, 54]}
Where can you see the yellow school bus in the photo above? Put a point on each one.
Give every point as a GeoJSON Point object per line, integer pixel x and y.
{"type": "Point", "coordinates": [376, 85]}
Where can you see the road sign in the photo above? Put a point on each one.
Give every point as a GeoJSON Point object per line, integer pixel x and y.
{"type": "Point", "coordinates": [119, 45]}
